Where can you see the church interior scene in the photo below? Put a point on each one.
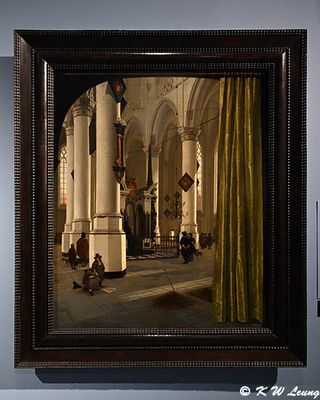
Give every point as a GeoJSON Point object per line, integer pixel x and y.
{"type": "Point", "coordinates": [158, 198]}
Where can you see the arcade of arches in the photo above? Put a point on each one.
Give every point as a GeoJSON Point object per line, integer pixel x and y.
{"type": "Point", "coordinates": [171, 129]}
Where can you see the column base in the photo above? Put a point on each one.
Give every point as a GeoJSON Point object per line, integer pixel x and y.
{"type": "Point", "coordinates": [112, 248]}
{"type": "Point", "coordinates": [66, 238]}
{"type": "Point", "coordinates": [79, 226]}
{"type": "Point", "coordinates": [115, 275]}
{"type": "Point", "coordinates": [111, 222]}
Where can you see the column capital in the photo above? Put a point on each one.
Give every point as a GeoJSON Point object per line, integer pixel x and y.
{"type": "Point", "coordinates": [155, 150]}
{"type": "Point", "coordinates": [69, 130]}
{"type": "Point", "coordinates": [188, 133]}
{"type": "Point", "coordinates": [68, 123]}
{"type": "Point", "coordinates": [84, 105]}
{"type": "Point", "coordinates": [145, 149]}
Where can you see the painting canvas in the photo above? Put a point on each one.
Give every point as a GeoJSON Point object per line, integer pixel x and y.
{"type": "Point", "coordinates": [176, 241]}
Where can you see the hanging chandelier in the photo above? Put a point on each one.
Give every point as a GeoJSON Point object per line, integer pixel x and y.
{"type": "Point", "coordinates": [175, 205]}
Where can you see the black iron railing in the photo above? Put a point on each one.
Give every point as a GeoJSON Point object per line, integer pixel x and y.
{"type": "Point", "coordinates": [167, 246]}
{"type": "Point", "coordinates": [162, 247]}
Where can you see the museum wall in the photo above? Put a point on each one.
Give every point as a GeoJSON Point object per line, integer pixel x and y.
{"type": "Point", "coordinates": [150, 14]}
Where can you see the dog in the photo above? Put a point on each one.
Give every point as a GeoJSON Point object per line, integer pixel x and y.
{"type": "Point", "coordinates": [65, 258]}
{"type": "Point", "coordinates": [76, 285]}
{"type": "Point", "coordinates": [199, 255]}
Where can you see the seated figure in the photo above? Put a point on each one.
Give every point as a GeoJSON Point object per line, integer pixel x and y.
{"type": "Point", "coordinates": [90, 281]}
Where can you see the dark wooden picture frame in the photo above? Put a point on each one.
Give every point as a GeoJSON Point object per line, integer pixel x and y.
{"type": "Point", "coordinates": [63, 64]}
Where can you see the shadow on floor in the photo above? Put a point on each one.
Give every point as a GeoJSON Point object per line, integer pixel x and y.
{"type": "Point", "coordinates": [204, 294]}
{"type": "Point", "coordinates": [173, 301]}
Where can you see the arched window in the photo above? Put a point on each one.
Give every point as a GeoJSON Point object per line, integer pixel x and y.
{"type": "Point", "coordinates": [62, 176]}
{"type": "Point", "coordinates": [199, 176]}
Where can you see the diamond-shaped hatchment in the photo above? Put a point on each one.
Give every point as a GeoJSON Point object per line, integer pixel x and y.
{"type": "Point", "coordinates": [167, 213]}
{"type": "Point", "coordinates": [186, 182]}
{"type": "Point", "coordinates": [118, 88]}
{"type": "Point", "coordinates": [167, 198]}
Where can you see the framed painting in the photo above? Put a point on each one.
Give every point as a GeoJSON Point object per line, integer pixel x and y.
{"type": "Point", "coordinates": [160, 198]}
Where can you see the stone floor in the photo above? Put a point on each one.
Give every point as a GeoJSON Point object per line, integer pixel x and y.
{"type": "Point", "coordinates": [143, 298]}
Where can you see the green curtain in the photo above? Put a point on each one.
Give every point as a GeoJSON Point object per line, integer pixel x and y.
{"type": "Point", "coordinates": [238, 266]}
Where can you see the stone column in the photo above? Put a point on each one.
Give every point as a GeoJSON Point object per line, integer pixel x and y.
{"type": "Point", "coordinates": [69, 128]}
{"type": "Point", "coordinates": [82, 111]}
{"type": "Point", "coordinates": [155, 152]}
{"type": "Point", "coordinates": [107, 236]}
{"type": "Point", "coordinates": [189, 165]}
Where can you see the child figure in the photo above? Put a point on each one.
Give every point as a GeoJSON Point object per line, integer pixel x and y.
{"type": "Point", "coordinates": [72, 256]}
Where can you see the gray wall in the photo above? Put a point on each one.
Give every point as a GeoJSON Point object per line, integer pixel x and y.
{"type": "Point", "coordinates": [151, 14]}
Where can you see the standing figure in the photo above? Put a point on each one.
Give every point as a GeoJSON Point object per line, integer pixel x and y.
{"type": "Point", "coordinates": [72, 256]}
{"type": "Point", "coordinates": [83, 249]}
{"type": "Point", "coordinates": [209, 241]}
{"type": "Point", "coordinates": [202, 241]}
{"type": "Point", "coordinates": [185, 247]}
{"type": "Point", "coordinates": [192, 243]}
{"type": "Point", "coordinates": [98, 267]}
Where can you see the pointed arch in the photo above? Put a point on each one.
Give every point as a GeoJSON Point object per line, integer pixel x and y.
{"type": "Point", "coordinates": [134, 131]}
{"type": "Point", "coordinates": [164, 134]}
{"type": "Point", "coordinates": [165, 114]}
{"type": "Point", "coordinates": [200, 95]}
{"type": "Point", "coordinates": [134, 148]}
